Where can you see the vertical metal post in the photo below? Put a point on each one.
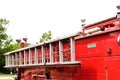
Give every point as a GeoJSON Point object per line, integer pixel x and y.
{"type": "Point", "coordinates": [83, 26]}
{"type": "Point", "coordinates": [51, 52]}
{"type": "Point", "coordinates": [10, 56]}
{"type": "Point", "coordinates": [118, 15]}
{"type": "Point", "coordinates": [12, 59]}
{"type": "Point", "coordinates": [15, 58]}
{"type": "Point", "coordinates": [36, 59]}
{"type": "Point", "coordinates": [35, 55]}
{"type": "Point", "coordinates": [72, 49]}
{"type": "Point", "coordinates": [42, 50]}
{"type": "Point", "coordinates": [24, 58]}
{"type": "Point", "coordinates": [20, 58]}
{"type": "Point", "coordinates": [6, 60]}
{"type": "Point", "coordinates": [60, 51]}
{"type": "Point", "coordinates": [30, 56]}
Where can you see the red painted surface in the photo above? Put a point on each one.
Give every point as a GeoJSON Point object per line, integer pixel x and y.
{"type": "Point", "coordinates": [55, 52]}
{"type": "Point", "coordinates": [99, 54]}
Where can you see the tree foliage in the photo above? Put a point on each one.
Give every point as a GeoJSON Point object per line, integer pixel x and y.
{"type": "Point", "coordinates": [46, 36]}
{"type": "Point", "coordinates": [5, 43]}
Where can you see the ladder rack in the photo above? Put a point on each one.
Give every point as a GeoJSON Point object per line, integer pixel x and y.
{"type": "Point", "coordinates": [56, 52]}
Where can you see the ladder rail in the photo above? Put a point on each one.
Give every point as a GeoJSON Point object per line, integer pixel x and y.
{"type": "Point", "coordinates": [46, 52]}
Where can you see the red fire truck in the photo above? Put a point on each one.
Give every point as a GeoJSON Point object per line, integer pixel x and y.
{"type": "Point", "coordinates": [93, 54]}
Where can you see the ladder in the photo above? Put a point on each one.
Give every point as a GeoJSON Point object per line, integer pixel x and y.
{"type": "Point", "coordinates": [55, 52]}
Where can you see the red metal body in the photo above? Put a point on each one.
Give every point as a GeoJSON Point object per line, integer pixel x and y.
{"type": "Point", "coordinates": [98, 52]}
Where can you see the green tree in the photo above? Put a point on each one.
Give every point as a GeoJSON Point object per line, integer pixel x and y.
{"type": "Point", "coordinates": [6, 44]}
{"type": "Point", "coordinates": [15, 46]}
{"type": "Point", "coordinates": [46, 36]}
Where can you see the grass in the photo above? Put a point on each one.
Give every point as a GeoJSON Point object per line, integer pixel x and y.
{"type": "Point", "coordinates": [2, 74]}
{"type": "Point", "coordinates": [6, 77]}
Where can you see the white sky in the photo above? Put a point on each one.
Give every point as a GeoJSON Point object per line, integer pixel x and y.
{"type": "Point", "coordinates": [31, 18]}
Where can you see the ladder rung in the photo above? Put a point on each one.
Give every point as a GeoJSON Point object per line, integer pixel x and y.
{"type": "Point", "coordinates": [61, 52]}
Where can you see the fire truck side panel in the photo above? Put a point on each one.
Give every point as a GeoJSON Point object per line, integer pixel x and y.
{"type": "Point", "coordinates": [100, 57]}
{"type": "Point", "coordinates": [90, 70]}
{"type": "Point", "coordinates": [112, 67]}
{"type": "Point", "coordinates": [98, 46]}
